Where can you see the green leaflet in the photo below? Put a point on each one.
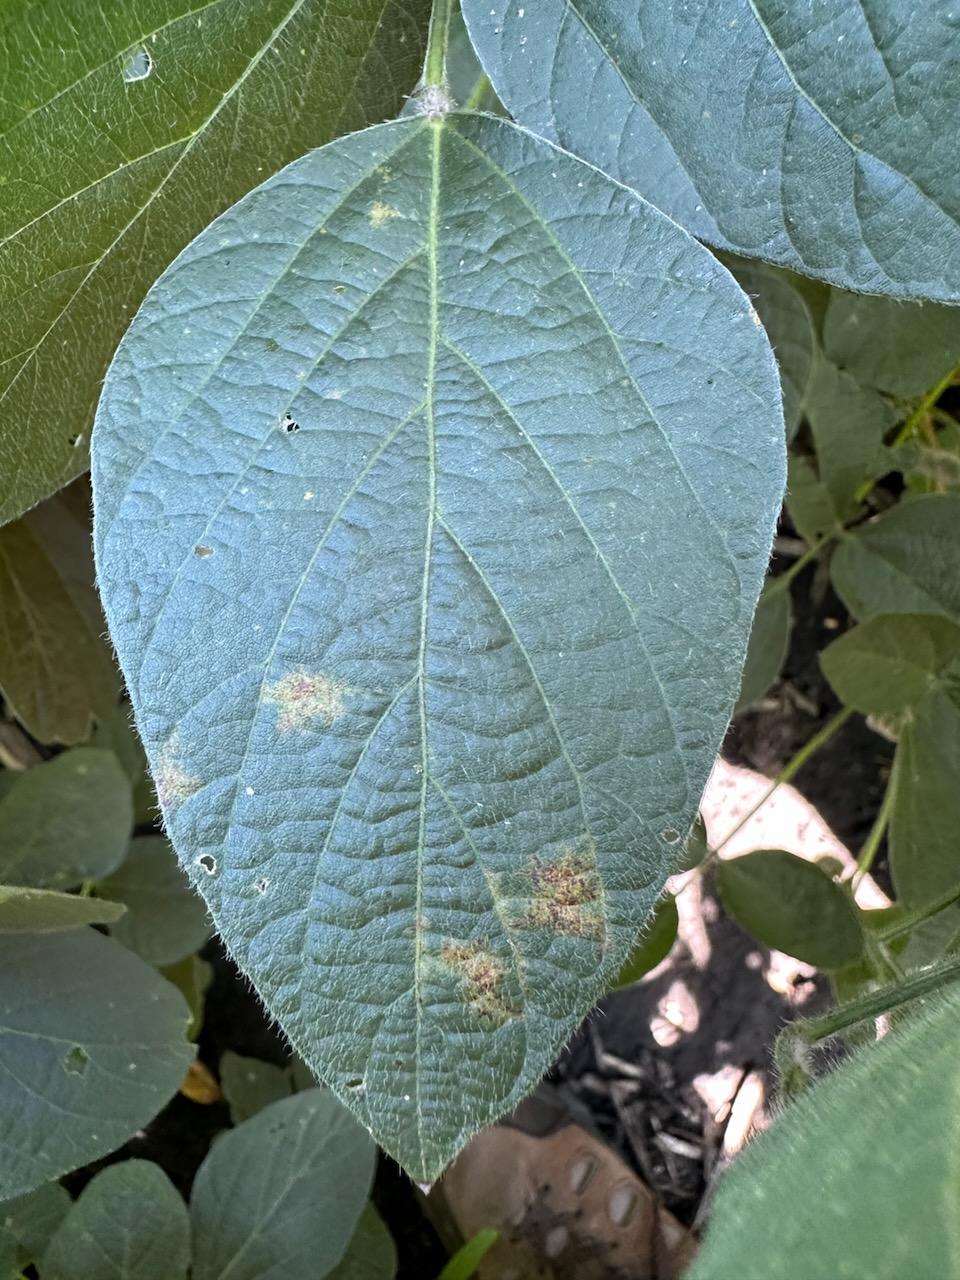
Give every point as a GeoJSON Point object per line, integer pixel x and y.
{"type": "Point", "coordinates": [30, 1220]}
{"type": "Point", "coordinates": [901, 348]}
{"type": "Point", "coordinates": [128, 1224]}
{"type": "Point", "coordinates": [165, 919]}
{"type": "Point", "coordinates": [282, 1194]}
{"type": "Point", "coordinates": [123, 130]}
{"type": "Point", "coordinates": [814, 138]}
{"type": "Point", "coordinates": [91, 1047]}
{"type": "Point", "coordinates": [435, 483]}
{"type": "Point", "coordinates": [45, 911]}
{"type": "Point", "coordinates": [769, 642]}
{"type": "Point", "coordinates": [370, 1254]}
{"type": "Point", "coordinates": [814, 1196]}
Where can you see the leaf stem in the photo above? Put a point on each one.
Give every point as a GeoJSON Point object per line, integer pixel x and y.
{"type": "Point", "coordinates": [438, 39]}
{"type": "Point", "coordinates": [880, 823]}
{"type": "Point", "coordinates": [783, 580]}
{"type": "Point", "coordinates": [923, 408]}
{"type": "Point", "coordinates": [910, 919]}
{"type": "Point", "coordinates": [478, 93]}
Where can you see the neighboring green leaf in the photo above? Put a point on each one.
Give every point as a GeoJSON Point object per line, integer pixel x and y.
{"type": "Point", "coordinates": [926, 807]}
{"type": "Point", "coordinates": [128, 1224]}
{"type": "Point", "coordinates": [192, 977]}
{"type": "Point", "coordinates": [654, 946]}
{"type": "Point", "coordinates": [166, 920]}
{"type": "Point", "coordinates": [91, 1047]}
{"type": "Point", "coordinates": [282, 1194]}
{"type": "Point", "coordinates": [848, 423]}
{"type": "Point", "coordinates": [792, 905]}
{"type": "Point", "coordinates": [809, 504]}
{"type": "Point", "coordinates": [468, 1257]}
{"type": "Point", "coordinates": [65, 821]}
{"type": "Point", "coordinates": [887, 666]}
{"type": "Point", "coordinates": [859, 1176]}
{"type": "Point", "coordinates": [56, 672]}
{"type": "Point", "coordinates": [902, 348]}
{"type": "Point", "coordinates": [812, 138]}
{"type": "Point", "coordinates": [451, 540]}
{"type": "Point", "coordinates": [109, 174]}
{"type": "Point", "coordinates": [32, 1219]}
{"type": "Point", "coordinates": [769, 641]}
{"type": "Point", "coordinates": [44, 910]}
{"type": "Point", "coordinates": [789, 325]}
{"type": "Point", "coordinates": [370, 1254]}
{"type": "Point", "coordinates": [116, 732]}
{"type": "Point", "coordinates": [250, 1084]}
{"type": "Point", "coordinates": [907, 561]}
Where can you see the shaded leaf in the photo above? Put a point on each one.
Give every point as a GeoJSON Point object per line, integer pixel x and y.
{"type": "Point", "coordinates": [458, 566]}
{"type": "Point", "coordinates": [128, 1224]}
{"type": "Point", "coordinates": [654, 946]}
{"type": "Point", "coordinates": [250, 1084]}
{"type": "Point", "coordinates": [885, 1218]}
{"type": "Point", "coordinates": [926, 806]}
{"type": "Point", "coordinates": [166, 919]}
{"type": "Point", "coordinates": [117, 733]}
{"type": "Point", "coordinates": [370, 1254]}
{"type": "Point", "coordinates": [809, 504]}
{"type": "Point", "coordinates": [791, 905]}
{"type": "Point", "coordinates": [91, 1047]}
{"type": "Point", "coordinates": [769, 641]}
{"type": "Point", "coordinates": [282, 1194]}
{"type": "Point", "coordinates": [111, 173]}
{"type": "Point", "coordinates": [56, 672]}
{"type": "Point", "coordinates": [44, 910]}
{"type": "Point", "coordinates": [907, 561]}
{"type": "Point", "coordinates": [811, 138]}
{"type": "Point", "coordinates": [192, 977]}
{"type": "Point", "coordinates": [30, 1220]}
{"type": "Point", "coordinates": [900, 347]}
{"type": "Point", "coordinates": [65, 821]}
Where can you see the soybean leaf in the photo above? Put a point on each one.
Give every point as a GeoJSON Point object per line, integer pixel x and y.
{"type": "Point", "coordinates": [65, 821]}
{"type": "Point", "coordinates": [192, 977]}
{"type": "Point", "coordinates": [431, 581]}
{"type": "Point", "coordinates": [165, 920]}
{"type": "Point", "coordinates": [900, 347]}
{"type": "Point", "coordinates": [769, 641]}
{"type": "Point", "coordinates": [907, 561]}
{"type": "Point", "coordinates": [895, 1217]}
{"type": "Point", "coordinates": [370, 1254]}
{"type": "Point", "coordinates": [789, 325]}
{"type": "Point", "coordinates": [116, 732]}
{"type": "Point", "coordinates": [658, 938]}
{"type": "Point", "coordinates": [809, 503]}
{"type": "Point", "coordinates": [926, 800]}
{"type": "Point", "coordinates": [123, 130]}
{"type": "Point", "coordinates": [31, 1219]}
{"type": "Point", "coordinates": [888, 666]}
{"type": "Point", "coordinates": [91, 1045]}
{"type": "Point", "coordinates": [282, 1194]}
{"type": "Point", "coordinates": [811, 138]}
{"type": "Point", "coordinates": [128, 1224]}
{"type": "Point", "coordinates": [249, 1084]}
{"type": "Point", "coordinates": [56, 673]}
{"type": "Point", "coordinates": [792, 905]}
{"type": "Point", "coordinates": [44, 910]}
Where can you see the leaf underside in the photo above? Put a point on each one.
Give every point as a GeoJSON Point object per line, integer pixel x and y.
{"type": "Point", "coordinates": [817, 137]}
{"type": "Point", "coordinates": [431, 517]}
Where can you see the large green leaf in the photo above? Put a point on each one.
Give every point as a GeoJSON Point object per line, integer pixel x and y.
{"type": "Point", "coordinates": [128, 1224]}
{"type": "Point", "coordinates": [165, 919]}
{"type": "Point", "coordinates": [123, 130]}
{"type": "Point", "coordinates": [31, 1219]}
{"type": "Point", "coordinates": [56, 673]}
{"type": "Point", "coordinates": [65, 821]}
{"type": "Point", "coordinates": [858, 1177]}
{"type": "Point", "coordinates": [282, 1194]}
{"type": "Point", "coordinates": [45, 911]}
{"type": "Point", "coordinates": [91, 1047]}
{"type": "Point", "coordinates": [815, 137]}
{"type": "Point", "coordinates": [902, 348]}
{"type": "Point", "coordinates": [435, 485]}
{"type": "Point", "coordinates": [907, 561]}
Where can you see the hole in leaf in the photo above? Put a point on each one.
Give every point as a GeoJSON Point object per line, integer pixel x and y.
{"type": "Point", "coordinates": [75, 1060]}
{"type": "Point", "coordinates": [262, 885]}
{"type": "Point", "coordinates": [75, 441]}
{"type": "Point", "coordinates": [289, 424]}
{"type": "Point", "coordinates": [670, 835]}
{"type": "Point", "coordinates": [208, 862]}
{"type": "Point", "coordinates": [355, 1083]}
{"type": "Point", "coordinates": [138, 66]}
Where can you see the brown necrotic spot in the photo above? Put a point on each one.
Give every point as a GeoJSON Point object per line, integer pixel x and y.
{"type": "Point", "coordinates": [305, 699]}
{"type": "Point", "coordinates": [566, 895]}
{"type": "Point", "coordinates": [173, 783]}
{"type": "Point", "coordinates": [381, 213]}
{"type": "Point", "coordinates": [483, 980]}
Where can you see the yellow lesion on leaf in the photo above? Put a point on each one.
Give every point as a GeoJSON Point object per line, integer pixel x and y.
{"type": "Point", "coordinates": [483, 980]}
{"type": "Point", "coordinates": [381, 213]}
{"type": "Point", "coordinates": [304, 699]}
{"type": "Point", "coordinates": [172, 782]}
{"type": "Point", "coordinates": [566, 895]}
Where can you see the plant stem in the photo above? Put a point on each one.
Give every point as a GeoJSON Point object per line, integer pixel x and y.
{"type": "Point", "coordinates": [924, 407]}
{"type": "Point", "coordinates": [783, 580]}
{"type": "Point", "coordinates": [478, 93]}
{"type": "Point", "coordinates": [880, 823]}
{"type": "Point", "coordinates": [910, 919]}
{"type": "Point", "coordinates": [435, 63]}
{"type": "Point", "coordinates": [792, 767]}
